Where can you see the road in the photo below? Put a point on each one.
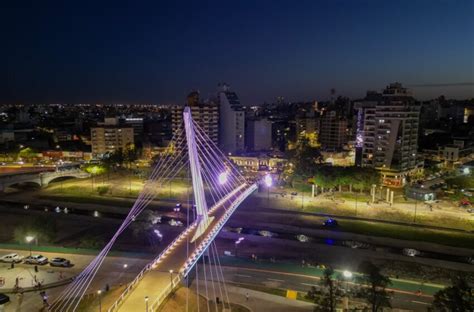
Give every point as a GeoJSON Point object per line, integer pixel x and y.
{"type": "Point", "coordinates": [240, 277]}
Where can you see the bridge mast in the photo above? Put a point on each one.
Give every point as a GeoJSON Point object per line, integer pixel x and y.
{"type": "Point", "coordinates": [198, 186]}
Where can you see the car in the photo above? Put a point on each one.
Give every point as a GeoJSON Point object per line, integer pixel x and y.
{"type": "Point", "coordinates": [410, 252]}
{"type": "Point", "coordinates": [330, 222]}
{"type": "Point", "coordinates": [4, 299]}
{"type": "Point", "coordinates": [266, 233]}
{"type": "Point", "coordinates": [60, 262]}
{"type": "Point", "coordinates": [13, 257]}
{"type": "Point", "coordinates": [174, 222]}
{"type": "Point", "coordinates": [36, 259]}
{"type": "Point", "coordinates": [302, 238]}
{"type": "Point", "coordinates": [355, 244]}
{"type": "Point", "coordinates": [294, 193]}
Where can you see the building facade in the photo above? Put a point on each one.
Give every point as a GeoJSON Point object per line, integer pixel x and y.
{"type": "Point", "coordinates": [206, 115]}
{"type": "Point", "coordinates": [109, 137]}
{"type": "Point", "coordinates": [231, 121]}
{"type": "Point", "coordinates": [333, 131]}
{"type": "Point", "coordinates": [258, 134]}
{"type": "Point", "coordinates": [387, 133]}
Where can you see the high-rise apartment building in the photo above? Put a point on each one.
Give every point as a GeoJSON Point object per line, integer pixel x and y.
{"type": "Point", "coordinates": [387, 133]}
{"type": "Point", "coordinates": [231, 121]}
{"type": "Point", "coordinates": [109, 137]}
{"type": "Point", "coordinates": [333, 131]}
{"type": "Point", "coordinates": [206, 115]}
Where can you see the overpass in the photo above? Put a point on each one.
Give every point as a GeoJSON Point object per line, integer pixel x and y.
{"type": "Point", "coordinates": [42, 179]}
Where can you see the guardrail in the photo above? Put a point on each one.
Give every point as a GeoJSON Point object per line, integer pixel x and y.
{"type": "Point", "coordinates": [148, 267]}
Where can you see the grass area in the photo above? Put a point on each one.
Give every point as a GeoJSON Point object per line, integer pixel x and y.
{"type": "Point", "coordinates": [449, 238]}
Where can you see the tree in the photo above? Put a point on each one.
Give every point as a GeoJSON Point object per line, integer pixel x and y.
{"type": "Point", "coordinates": [330, 295]}
{"type": "Point", "coordinates": [374, 286]}
{"type": "Point", "coordinates": [456, 298]}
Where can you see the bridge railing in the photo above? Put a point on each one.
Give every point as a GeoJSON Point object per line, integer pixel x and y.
{"type": "Point", "coordinates": [164, 293]}
{"type": "Point", "coordinates": [150, 266]}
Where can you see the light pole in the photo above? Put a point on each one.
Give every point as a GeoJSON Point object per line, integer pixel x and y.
{"type": "Point", "coordinates": [416, 201]}
{"type": "Point", "coordinates": [29, 239]}
{"type": "Point", "coordinates": [268, 182]}
{"type": "Point", "coordinates": [171, 278]}
{"type": "Point", "coordinates": [99, 292]}
{"type": "Point", "coordinates": [347, 275]}
{"type": "Point", "coordinates": [146, 303]}
{"type": "Point", "coordinates": [356, 204]}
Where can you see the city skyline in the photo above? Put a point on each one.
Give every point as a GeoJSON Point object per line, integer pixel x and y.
{"type": "Point", "coordinates": [157, 53]}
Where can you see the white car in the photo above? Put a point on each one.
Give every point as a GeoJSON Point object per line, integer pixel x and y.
{"type": "Point", "coordinates": [13, 257]}
{"type": "Point", "coordinates": [410, 252]}
{"type": "Point", "coordinates": [36, 259]}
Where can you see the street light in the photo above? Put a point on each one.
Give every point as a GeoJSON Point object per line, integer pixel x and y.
{"type": "Point", "coordinates": [29, 239]}
{"type": "Point", "coordinates": [223, 178]}
{"type": "Point", "coordinates": [268, 182]}
{"type": "Point", "coordinates": [146, 303]}
{"type": "Point", "coordinates": [347, 275]}
{"type": "Point", "coordinates": [125, 266]}
{"type": "Point", "coordinates": [99, 292]}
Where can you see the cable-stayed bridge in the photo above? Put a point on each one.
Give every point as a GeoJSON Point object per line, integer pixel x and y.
{"type": "Point", "coordinates": [218, 189]}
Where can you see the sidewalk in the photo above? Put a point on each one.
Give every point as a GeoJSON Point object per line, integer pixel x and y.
{"type": "Point", "coordinates": [259, 301]}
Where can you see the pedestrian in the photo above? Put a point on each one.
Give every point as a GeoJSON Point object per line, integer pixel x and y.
{"type": "Point", "coordinates": [36, 268]}
{"type": "Point", "coordinates": [12, 266]}
{"type": "Point", "coordinates": [247, 297]}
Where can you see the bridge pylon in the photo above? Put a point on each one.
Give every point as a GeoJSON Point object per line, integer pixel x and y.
{"type": "Point", "coordinates": [198, 186]}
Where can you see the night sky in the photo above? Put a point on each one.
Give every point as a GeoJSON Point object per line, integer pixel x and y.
{"type": "Point", "coordinates": [157, 51]}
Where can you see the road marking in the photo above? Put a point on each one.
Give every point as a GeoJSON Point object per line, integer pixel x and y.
{"type": "Point", "coordinates": [306, 284]}
{"type": "Point", "coordinates": [420, 302]}
{"type": "Point", "coordinates": [241, 275]}
{"type": "Point", "coordinates": [275, 280]}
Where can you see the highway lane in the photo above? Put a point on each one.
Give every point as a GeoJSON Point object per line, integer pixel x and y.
{"type": "Point", "coordinates": [284, 280]}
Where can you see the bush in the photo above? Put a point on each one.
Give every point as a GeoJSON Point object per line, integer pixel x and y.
{"type": "Point", "coordinates": [102, 190]}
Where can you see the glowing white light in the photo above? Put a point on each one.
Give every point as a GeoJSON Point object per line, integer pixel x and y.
{"type": "Point", "coordinates": [268, 180]}
{"type": "Point", "coordinates": [347, 274]}
{"type": "Point", "coordinates": [223, 178]}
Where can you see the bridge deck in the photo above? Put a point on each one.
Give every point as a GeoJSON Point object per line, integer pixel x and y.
{"type": "Point", "coordinates": [158, 278]}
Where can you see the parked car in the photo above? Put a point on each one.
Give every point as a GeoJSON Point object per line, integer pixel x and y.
{"type": "Point", "coordinates": [330, 222]}
{"type": "Point", "coordinates": [13, 257]}
{"type": "Point", "coordinates": [4, 299]}
{"type": "Point", "coordinates": [60, 262]}
{"type": "Point", "coordinates": [36, 259]}
{"type": "Point", "coordinates": [410, 252]}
